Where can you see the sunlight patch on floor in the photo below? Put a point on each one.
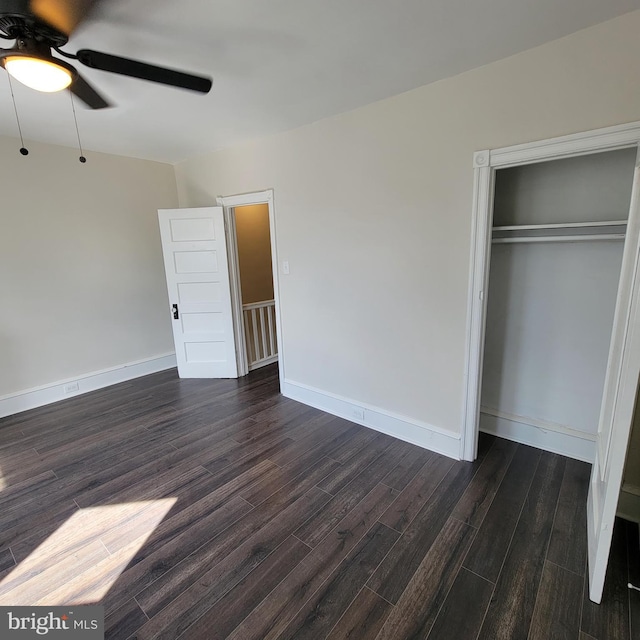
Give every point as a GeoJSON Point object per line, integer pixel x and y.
{"type": "Point", "coordinates": [83, 558]}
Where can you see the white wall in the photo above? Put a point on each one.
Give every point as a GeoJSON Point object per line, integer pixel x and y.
{"type": "Point", "coordinates": [81, 274]}
{"type": "Point", "coordinates": [373, 213]}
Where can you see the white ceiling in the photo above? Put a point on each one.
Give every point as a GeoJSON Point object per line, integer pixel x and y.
{"type": "Point", "coordinates": [278, 64]}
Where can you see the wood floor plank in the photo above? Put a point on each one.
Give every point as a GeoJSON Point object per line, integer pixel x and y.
{"type": "Point", "coordinates": [132, 575]}
{"type": "Point", "coordinates": [145, 480]}
{"type": "Point", "coordinates": [270, 618]}
{"type": "Point", "coordinates": [456, 621]}
{"type": "Point", "coordinates": [418, 606]}
{"type": "Point", "coordinates": [381, 458]}
{"type": "Point", "coordinates": [298, 500]}
{"type": "Point", "coordinates": [265, 450]}
{"type": "Point", "coordinates": [392, 577]}
{"type": "Point", "coordinates": [226, 614]}
{"type": "Point", "coordinates": [557, 611]}
{"type": "Point", "coordinates": [335, 435]}
{"type": "Point", "coordinates": [416, 494]}
{"type": "Point", "coordinates": [201, 547]}
{"type": "Point", "coordinates": [477, 499]}
{"type": "Point", "coordinates": [19, 466]}
{"type": "Point", "coordinates": [610, 619]}
{"type": "Point", "coordinates": [193, 531]}
{"type": "Point", "coordinates": [191, 590]}
{"type": "Point", "coordinates": [288, 419]}
{"type": "Point", "coordinates": [364, 440]}
{"type": "Point", "coordinates": [407, 468]}
{"type": "Point", "coordinates": [568, 545]}
{"type": "Point", "coordinates": [221, 427]}
{"type": "Point", "coordinates": [327, 605]}
{"type": "Point", "coordinates": [363, 619]}
{"type": "Point", "coordinates": [511, 609]}
{"type": "Point", "coordinates": [124, 622]}
{"type": "Point", "coordinates": [193, 516]}
{"type": "Point", "coordinates": [316, 528]}
{"type": "Point", "coordinates": [29, 582]}
{"type": "Point", "coordinates": [189, 489]}
{"type": "Point", "coordinates": [37, 527]}
{"type": "Point", "coordinates": [494, 536]}
{"type": "Point", "coordinates": [6, 560]}
{"type": "Point", "coordinates": [18, 494]}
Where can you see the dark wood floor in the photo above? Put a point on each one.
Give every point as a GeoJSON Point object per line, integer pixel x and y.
{"type": "Point", "coordinates": [207, 509]}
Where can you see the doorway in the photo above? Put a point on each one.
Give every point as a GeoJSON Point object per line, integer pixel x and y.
{"type": "Point", "coordinates": [256, 285]}
{"type": "Point", "coordinates": [253, 276]}
{"type": "Point", "coordinates": [623, 364]}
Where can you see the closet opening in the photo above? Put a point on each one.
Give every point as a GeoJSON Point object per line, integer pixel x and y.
{"type": "Point", "coordinates": [553, 326]}
{"type": "Point", "coordinates": [556, 252]}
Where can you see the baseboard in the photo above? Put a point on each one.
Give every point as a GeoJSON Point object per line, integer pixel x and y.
{"type": "Point", "coordinates": [40, 396]}
{"type": "Point", "coordinates": [629, 503]}
{"type": "Point", "coordinates": [539, 434]}
{"type": "Point", "coordinates": [401, 427]}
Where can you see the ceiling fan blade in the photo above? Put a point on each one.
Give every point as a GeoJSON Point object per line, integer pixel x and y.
{"type": "Point", "coordinates": [83, 90]}
{"type": "Point", "coordinates": [144, 71]}
{"type": "Point", "coordinates": [63, 15]}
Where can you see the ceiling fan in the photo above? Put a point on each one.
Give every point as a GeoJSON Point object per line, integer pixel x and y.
{"type": "Point", "coordinates": [40, 27]}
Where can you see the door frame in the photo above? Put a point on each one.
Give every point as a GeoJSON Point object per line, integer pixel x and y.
{"type": "Point", "coordinates": [485, 164]}
{"type": "Point", "coordinates": [229, 203]}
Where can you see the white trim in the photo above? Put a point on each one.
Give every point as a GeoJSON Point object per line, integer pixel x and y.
{"type": "Point", "coordinates": [264, 197]}
{"type": "Point", "coordinates": [619, 349]}
{"type": "Point", "coordinates": [46, 394]}
{"type": "Point", "coordinates": [537, 433]}
{"type": "Point", "coordinates": [540, 424]}
{"type": "Point", "coordinates": [242, 357]}
{"type": "Point", "coordinates": [576, 144]}
{"type": "Point", "coordinates": [398, 426]}
{"type": "Point", "coordinates": [483, 189]}
{"type": "Point", "coordinates": [619, 401]}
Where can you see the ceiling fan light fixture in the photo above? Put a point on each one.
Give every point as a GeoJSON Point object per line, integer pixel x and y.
{"type": "Point", "coordinates": [39, 73]}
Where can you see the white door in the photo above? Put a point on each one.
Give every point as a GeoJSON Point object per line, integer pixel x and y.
{"type": "Point", "coordinates": [195, 262]}
{"type": "Point", "coordinates": [621, 384]}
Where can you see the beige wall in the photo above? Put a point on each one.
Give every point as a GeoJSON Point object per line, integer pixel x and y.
{"type": "Point", "coordinates": [373, 213]}
{"type": "Point", "coordinates": [254, 252]}
{"type": "Point", "coordinates": [81, 275]}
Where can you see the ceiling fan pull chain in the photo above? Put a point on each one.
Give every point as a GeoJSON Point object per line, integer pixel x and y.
{"type": "Point", "coordinates": [23, 150]}
{"type": "Point", "coordinates": [75, 119]}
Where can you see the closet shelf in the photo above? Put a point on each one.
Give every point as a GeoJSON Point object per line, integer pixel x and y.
{"type": "Point", "coordinates": [584, 232]}
{"type": "Point", "coordinates": [590, 237]}
{"type": "Point", "coordinates": [562, 225]}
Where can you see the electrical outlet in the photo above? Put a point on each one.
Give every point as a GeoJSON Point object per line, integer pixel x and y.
{"type": "Point", "coordinates": [357, 413]}
{"type": "Point", "coordinates": [71, 387]}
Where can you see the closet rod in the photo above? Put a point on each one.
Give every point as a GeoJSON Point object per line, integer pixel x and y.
{"type": "Point", "coordinates": [582, 238]}
{"type": "Point", "coordinates": [561, 225]}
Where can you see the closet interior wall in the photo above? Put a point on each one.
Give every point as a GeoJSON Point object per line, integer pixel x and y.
{"type": "Point", "coordinates": [558, 231]}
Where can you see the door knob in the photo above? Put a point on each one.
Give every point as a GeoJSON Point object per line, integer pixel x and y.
{"type": "Point", "coordinates": [175, 311]}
